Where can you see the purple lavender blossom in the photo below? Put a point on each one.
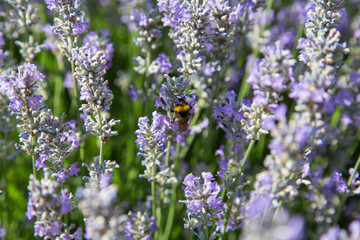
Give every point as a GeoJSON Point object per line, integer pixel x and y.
{"type": "Point", "coordinates": [153, 141]}
{"type": "Point", "coordinates": [3, 54]}
{"type": "Point", "coordinates": [80, 28]}
{"type": "Point", "coordinates": [323, 53]}
{"type": "Point", "coordinates": [68, 82]}
{"type": "Point", "coordinates": [2, 232]}
{"type": "Point", "coordinates": [100, 176]}
{"type": "Point", "coordinates": [20, 88]}
{"type": "Point", "coordinates": [264, 222]}
{"type": "Point", "coordinates": [49, 213]}
{"type": "Point", "coordinates": [331, 234]}
{"type": "Point", "coordinates": [147, 20]}
{"type": "Point", "coordinates": [70, 23]}
{"type": "Point", "coordinates": [89, 72]}
{"type": "Point", "coordinates": [239, 118]}
{"type": "Point", "coordinates": [101, 42]}
{"type": "Point", "coordinates": [102, 219]}
{"type": "Point", "coordinates": [52, 156]}
{"type": "Point", "coordinates": [2, 41]}
{"type": "Point", "coordinates": [52, 40]}
{"type": "Point", "coordinates": [288, 20]}
{"type": "Point", "coordinates": [140, 226]}
{"type": "Point", "coordinates": [202, 201]}
{"type": "Point", "coordinates": [97, 203]}
{"type": "Point", "coordinates": [211, 26]}
{"type": "Point", "coordinates": [163, 62]}
{"type": "Point", "coordinates": [335, 232]}
{"type": "Point", "coordinates": [236, 217]}
{"type": "Point", "coordinates": [270, 76]}
{"type": "Point", "coordinates": [288, 152]}
{"type": "Point", "coordinates": [18, 17]}
{"type": "Point", "coordinates": [23, 82]}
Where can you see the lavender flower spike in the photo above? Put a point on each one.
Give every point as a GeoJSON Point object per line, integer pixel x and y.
{"type": "Point", "coordinates": [54, 144]}
{"type": "Point", "coordinates": [20, 88]}
{"type": "Point", "coordinates": [49, 206]}
{"type": "Point", "coordinates": [152, 141]}
{"type": "Point", "coordinates": [70, 24]}
{"type": "Point", "coordinates": [94, 90]}
{"type": "Point", "coordinates": [202, 202]}
{"type": "Point", "coordinates": [102, 219]}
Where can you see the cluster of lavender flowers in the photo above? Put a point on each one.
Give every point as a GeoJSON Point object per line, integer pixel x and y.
{"type": "Point", "coordinates": [153, 141]}
{"type": "Point", "coordinates": [24, 104]}
{"type": "Point", "coordinates": [49, 206]}
{"type": "Point", "coordinates": [203, 204]}
{"type": "Point", "coordinates": [70, 23]}
{"type": "Point", "coordinates": [45, 137]}
{"type": "Point", "coordinates": [149, 34]}
{"type": "Point", "coordinates": [18, 19]}
{"type": "Point", "coordinates": [103, 218]}
{"type": "Point", "coordinates": [285, 164]}
{"type": "Point", "coordinates": [42, 134]}
{"type": "Point", "coordinates": [55, 143]}
{"type": "Point", "coordinates": [90, 70]}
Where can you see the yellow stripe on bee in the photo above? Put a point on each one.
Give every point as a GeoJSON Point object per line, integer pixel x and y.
{"type": "Point", "coordinates": [182, 108]}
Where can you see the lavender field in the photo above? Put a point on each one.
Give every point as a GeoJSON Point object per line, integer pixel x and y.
{"type": "Point", "coordinates": [180, 119]}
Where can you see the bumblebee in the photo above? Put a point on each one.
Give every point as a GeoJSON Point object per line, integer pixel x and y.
{"type": "Point", "coordinates": [182, 114]}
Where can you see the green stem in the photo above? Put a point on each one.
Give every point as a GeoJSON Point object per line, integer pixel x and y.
{"type": "Point", "coordinates": [77, 101]}
{"type": "Point", "coordinates": [206, 233]}
{"type": "Point", "coordinates": [245, 86]}
{"type": "Point", "coordinates": [267, 10]}
{"type": "Point", "coordinates": [355, 171]}
{"type": "Point", "coordinates": [101, 154]}
{"type": "Point", "coordinates": [148, 62]}
{"type": "Point", "coordinates": [171, 215]}
{"type": "Point", "coordinates": [298, 36]}
{"type": "Point", "coordinates": [172, 208]}
{"type": "Point", "coordinates": [227, 216]}
{"type": "Point", "coordinates": [58, 87]}
{"type": "Point", "coordinates": [277, 210]}
{"type": "Point", "coordinates": [76, 92]}
{"type": "Point", "coordinates": [167, 160]}
{"type": "Point", "coordinates": [191, 137]}
{"type": "Point", "coordinates": [33, 155]}
{"type": "Point", "coordinates": [5, 205]}
{"type": "Point", "coordinates": [338, 212]}
{"type": "Point", "coordinates": [154, 199]}
{"type": "Point", "coordinates": [162, 197]}
{"type": "Point", "coordinates": [246, 156]}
